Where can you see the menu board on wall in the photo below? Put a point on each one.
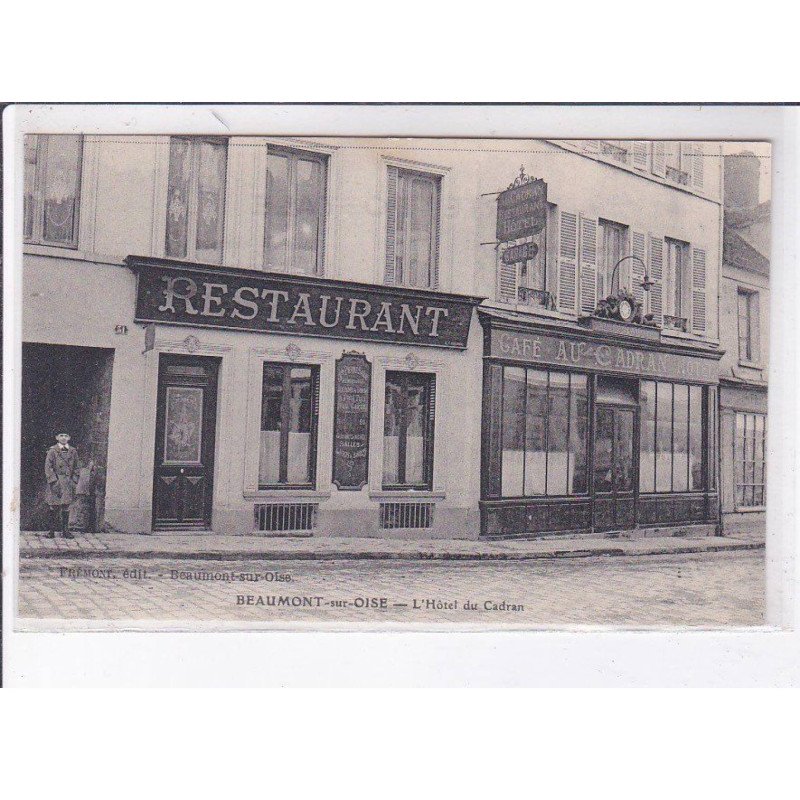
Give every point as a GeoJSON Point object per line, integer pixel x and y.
{"type": "Point", "coordinates": [351, 422]}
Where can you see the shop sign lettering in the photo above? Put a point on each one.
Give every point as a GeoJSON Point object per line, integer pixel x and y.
{"type": "Point", "coordinates": [577, 353]}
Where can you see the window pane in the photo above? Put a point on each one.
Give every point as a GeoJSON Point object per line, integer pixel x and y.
{"type": "Point", "coordinates": [623, 450]}
{"type": "Point", "coordinates": [276, 233]}
{"type": "Point", "coordinates": [271, 404]}
{"type": "Point", "coordinates": [211, 201]}
{"type": "Point", "coordinates": [299, 441]}
{"type": "Point", "coordinates": [513, 430]}
{"type": "Point", "coordinates": [61, 188]}
{"type": "Point", "coordinates": [178, 197]}
{"type": "Point", "coordinates": [578, 430]}
{"type": "Point", "coordinates": [680, 455]}
{"type": "Point", "coordinates": [664, 437]}
{"type": "Point", "coordinates": [30, 184]}
{"type": "Point", "coordinates": [310, 197]}
{"type": "Point", "coordinates": [738, 458]}
{"type": "Point", "coordinates": [535, 432]}
{"type": "Point", "coordinates": [695, 438]}
{"type": "Point", "coordinates": [647, 400]}
{"type": "Point", "coordinates": [416, 413]}
{"type": "Point", "coordinates": [392, 419]}
{"type": "Point", "coordinates": [558, 422]}
{"type": "Point", "coordinates": [603, 450]}
{"type": "Point", "coordinates": [420, 232]}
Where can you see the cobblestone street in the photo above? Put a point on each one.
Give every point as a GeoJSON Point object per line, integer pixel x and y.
{"type": "Point", "coordinates": [710, 589]}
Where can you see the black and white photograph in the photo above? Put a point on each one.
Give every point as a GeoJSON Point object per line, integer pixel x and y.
{"type": "Point", "coordinates": [386, 382]}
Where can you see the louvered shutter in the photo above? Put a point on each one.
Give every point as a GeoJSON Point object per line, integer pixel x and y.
{"type": "Point", "coordinates": [588, 265]}
{"type": "Point", "coordinates": [639, 154]}
{"type": "Point", "coordinates": [656, 264]}
{"type": "Point", "coordinates": [659, 165]}
{"type": "Point", "coordinates": [437, 223]}
{"type": "Point", "coordinates": [590, 145]}
{"type": "Point", "coordinates": [507, 283]}
{"type": "Point", "coordinates": [698, 290]}
{"type": "Point", "coordinates": [428, 472]}
{"type": "Point", "coordinates": [698, 167]}
{"type": "Point", "coordinates": [567, 261]}
{"type": "Point", "coordinates": [391, 225]}
{"type": "Point", "coordinates": [638, 249]}
{"type": "Point", "coordinates": [688, 160]}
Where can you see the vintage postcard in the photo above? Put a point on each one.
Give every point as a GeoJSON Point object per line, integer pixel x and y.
{"type": "Point", "coordinates": [285, 381]}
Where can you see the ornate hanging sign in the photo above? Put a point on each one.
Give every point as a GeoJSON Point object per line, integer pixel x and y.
{"type": "Point", "coordinates": [522, 208]}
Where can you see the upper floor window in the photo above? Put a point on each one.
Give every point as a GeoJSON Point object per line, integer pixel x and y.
{"type": "Point", "coordinates": [412, 232]}
{"type": "Point", "coordinates": [614, 246]}
{"type": "Point", "coordinates": [295, 211]}
{"type": "Point", "coordinates": [196, 198]}
{"type": "Point", "coordinates": [749, 325]}
{"type": "Point", "coordinates": [677, 274]}
{"type": "Point", "coordinates": [52, 189]}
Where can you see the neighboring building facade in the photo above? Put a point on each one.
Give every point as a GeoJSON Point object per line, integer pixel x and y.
{"type": "Point", "coordinates": [278, 336]}
{"type": "Point", "coordinates": [744, 311]}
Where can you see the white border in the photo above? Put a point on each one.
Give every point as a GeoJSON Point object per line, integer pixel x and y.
{"type": "Point", "coordinates": [675, 658]}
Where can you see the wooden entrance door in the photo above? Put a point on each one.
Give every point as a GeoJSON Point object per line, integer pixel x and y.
{"type": "Point", "coordinates": [185, 432]}
{"type": "Point", "coordinates": [615, 468]}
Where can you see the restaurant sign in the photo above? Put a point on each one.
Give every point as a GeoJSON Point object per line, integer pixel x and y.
{"type": "Point", "coordinates": [521, 209]}
{"type": "Point", "coordinates": [583, 354]}
{"type": "Point", "coordinates": [179, 294]}
{"type": "Point", "coordinates": [351, 421]}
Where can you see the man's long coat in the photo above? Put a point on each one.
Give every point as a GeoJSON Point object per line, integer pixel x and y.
{"type": "Point", "coordinates": [61, 471]}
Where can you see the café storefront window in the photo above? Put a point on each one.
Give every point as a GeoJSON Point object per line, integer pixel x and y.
{"type": "Point", "coordinates": [544, 432]}
{"type": "Point", "coordinates": [627, 440]}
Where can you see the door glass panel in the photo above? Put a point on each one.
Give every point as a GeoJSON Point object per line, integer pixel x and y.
{"type": "Point", "coordinates": [513, 430]}
{"type": "Point", "coordinates": [558, 425]}
{"type": "Point", "coordinates": [183, 425]}
{"type": "Point", "coordinates": [603, 450]}
{"type": "Point", "coordinates": [623, 451]}
{"type": "Point", "coordinates": [578, 430]}
{"type": "Point", "coordinates": [297, 462]}
{"type": "Point", "coordinates": [680, 438]}
{"type": "Point", "coordinates": [535, 432]}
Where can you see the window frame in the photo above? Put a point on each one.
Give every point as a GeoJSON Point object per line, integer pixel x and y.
{"type": "Point", "coordinates": [754, 461]}
{"type": "Point", "coordinates": [283, 456]}
{"type": "Point", "coordinates": [292, 155]}
{"type": "Point", "coordinates": [193, 196]}
{"type": "Point", "coordinates": [604, 270]}
{"type": "Point", "coordinates": [587, 444]}
{"type": "Point", "coordinates": [42, 141]}
{"type": "Point", "coordinates": [435, 180]}
{"type": "Point", "coordinates": [678, 288]}
{"type": "Point", "coordinates": [751, 357]}
{"type": "Point", "coordinates": [405, 377]}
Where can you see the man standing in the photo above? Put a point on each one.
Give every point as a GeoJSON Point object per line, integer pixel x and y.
{"type": "Point", "coordinates": [61, 471]}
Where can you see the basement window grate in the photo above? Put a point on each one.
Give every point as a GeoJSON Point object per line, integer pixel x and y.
{"type": "Point", "coordinates": [406, 515]}
{"type": "Point", "coordinates": [285, 517]}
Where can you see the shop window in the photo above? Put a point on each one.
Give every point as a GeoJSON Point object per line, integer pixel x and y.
{"type": "Point", "coordinates": [750, 460]}
{"type": "Point", "coordinates": [294, 231]}
{"type": "Point", "coordinates": [289, 413]}
{"type": "Point", "coordinates": [614, 246]}
{"type": "Point", "coordinates": [408, 430]}
{"type": "Point", "coordinates": [196, 198]}
{"type": "Point", "coordinates": [749, 324]}
{"type": "Point", "coordinates": [412, 232]}
{"type": "Point", "coordinates": [52, 189]}
{"type": "Point", "coordinates": [544, 433]}
{"type": "Point", "coordinates": [671, 439]}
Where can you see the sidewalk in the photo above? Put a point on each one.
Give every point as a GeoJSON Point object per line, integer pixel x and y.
{"type": "Point", "coordinates": [213, 547]}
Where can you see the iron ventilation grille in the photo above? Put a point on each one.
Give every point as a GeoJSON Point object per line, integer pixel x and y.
{"type": "Point", "coordinates": [285, 517]}
{"type": "Point", "coordinates": [406, 515]}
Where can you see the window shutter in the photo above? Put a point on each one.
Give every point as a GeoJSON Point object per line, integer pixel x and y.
{"type": "Point", "coordinates": [437, 223]}
{"type": "Point", "coordinates": [639, 249]}
{"type": "Point", "coordinates": [588, 265]}
{"type": "Point", "coordinates": [507, 284]}
{"type": "Point", "coordinates": [639, 151]}
{"type": "Point", "coordinates": [698, 167]}
{"type": "Point", "coordinates": [698, 290]}
{"type": "Point", "coordinates": [590, 146]}
{"type": "Point", "coordinates": [391, 224]}
{"type": "Point", "coordinates": [688, 159]}
{"type": "Point", "coordinates": [656, 264]}
{"type": "Point", "coordinates": [567, 261]}
{"type": "Point", "coordinates": [659, 166]}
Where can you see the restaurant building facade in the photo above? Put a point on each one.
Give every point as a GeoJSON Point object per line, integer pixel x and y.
{"type": "Point", "coordinates": [280, 337]}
